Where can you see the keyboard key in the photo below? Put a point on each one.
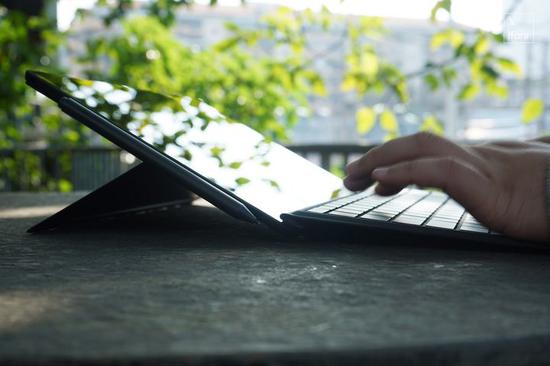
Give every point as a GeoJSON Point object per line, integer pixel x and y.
{"type": "Point", "coordinates": [388, 210]}
{"type": "Point", "coordinates": [442, 224]}
{"type": "Point", "coordinates": [420, 215]}
{"type": "Point", "coordinates": [365, 207]}
{"type": "Point", "coordinates": [340, 213]}
{"type": "Point", "coordinates": [377, 216]}
{"type": "Point", "coordinates": [331, 207]}
{"type": "Point", "coordinates": [350, 210]}
{"type": "Point", "coordinates": [455, 217]}
{"type": "Point", "coordinates": [411, 220]}
{"type": "Point", "coordinates": [319, 209]}
{"type": "Point", "coordinates": [474, 228]}
{"type": "Point", "coordinates": [469, 223]}
{"type": "Point", "coordinates": [470, 219]}
{"type": "Point", "coordinates": [424, 207]}
{"type": "Point", "coordinates": [453, 220]}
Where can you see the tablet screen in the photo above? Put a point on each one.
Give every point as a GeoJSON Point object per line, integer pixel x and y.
{"type": "Point", "coordinates": [261, 172]}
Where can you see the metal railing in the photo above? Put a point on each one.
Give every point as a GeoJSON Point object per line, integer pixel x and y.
{"type": "Point", "coordinates": [35, 169]}
{"type": "Point", "coordinates": [90, 167]}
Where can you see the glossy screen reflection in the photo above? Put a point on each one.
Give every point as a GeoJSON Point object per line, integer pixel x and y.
{"type": "Point", "coordinates": [261, 172]}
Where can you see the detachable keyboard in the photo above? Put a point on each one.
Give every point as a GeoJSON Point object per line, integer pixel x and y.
{"type": "Point", "coordinates": [410, 206]}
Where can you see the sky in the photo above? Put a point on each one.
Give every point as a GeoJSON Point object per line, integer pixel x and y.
{"type": "Point", "coordinates": [485, 14]}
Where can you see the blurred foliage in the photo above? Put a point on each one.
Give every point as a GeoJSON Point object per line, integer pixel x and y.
{"type": "Point", "coordinates": [28, 41]}
{"type": "Point", "coordinates": [532, 109]}
{"type": "Point", "coordinates": [264, 92]}
{"type": "Point", "coordinates": [24, 43]}
{"type": "Point", "coordinates": [263, 77]}
{"type": "Point", "coordinates": [163, 10]}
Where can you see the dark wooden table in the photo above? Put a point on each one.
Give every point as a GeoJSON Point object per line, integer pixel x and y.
{"type": "Point", "coordinates": [195, 286]}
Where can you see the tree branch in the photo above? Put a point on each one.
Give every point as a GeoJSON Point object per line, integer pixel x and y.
{"type": "Point", "coordinates": [327, 50]}
{"type": "Point", "coordinates": [427, 69]}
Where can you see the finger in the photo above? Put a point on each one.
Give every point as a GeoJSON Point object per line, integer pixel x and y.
{"type": "Point", "coordinates": [405, 148]}
{"type": "Point", "coordinates": [357, 184]}
{"type": "Point", "coordinates": [460, 180]}
{"type": "Point", "coordinates": [386, 190]}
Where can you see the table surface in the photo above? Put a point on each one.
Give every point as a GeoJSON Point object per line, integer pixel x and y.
{"type": "Point", "coordinates": [195, 286]}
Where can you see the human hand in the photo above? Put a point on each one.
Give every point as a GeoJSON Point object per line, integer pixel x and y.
{"type": "Point", "coordinates": [501, 184]}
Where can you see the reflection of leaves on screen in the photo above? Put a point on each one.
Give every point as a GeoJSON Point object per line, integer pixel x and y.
{"type": "Point", "coordinates": [147, 115]}
{"type": "Point", "coordinates": [241, 181]}
{"type": "Point", "coordinates": [186, 154]}
{"type": "Point", "coordinates": [273, 184]}
{"type": "Point", "coordinates": [216, 152]}
{"type": "Point", "coordinates": [235, 165]}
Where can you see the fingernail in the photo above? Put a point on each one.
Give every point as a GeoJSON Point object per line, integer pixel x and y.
{"type": "Point", "coordinates": [379, 173]}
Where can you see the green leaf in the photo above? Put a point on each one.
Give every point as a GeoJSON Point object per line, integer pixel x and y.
{"type": "Point", "coordinates": [476, 69]}
{"type": "Point", "coordinates": [532, 110]}
{"type": "Point", "coordinates": [448, 75]}
{"type": "Point", "coordinates": [366, 118]}
{"type": "Point", "coordinates": [369, 64]}
{"type": "Point", "coordinates": [401, 90]}
{"type": "Point", "coordinates": [186, 154]}
{"type": "Point", "coordinates": [432, 81]}
{"type": "Point", "coordinates": [509, 66]}
{"type": "Point", "coordinates": [227, 44]}
{"type": "Point", "coordinates": [440, 5]}
{"type": "Point", "coordinates": [72, 136]}
{"type": "Point", "coordinates": [499, 37]}
{"type": "Point", "coordinates": [388, 121]}
{"type": "Point", "coordinates": [216, 150]}
{"type": "Point", "coordinates": [319, 88]}
{"type": "Point", "coordinates": [448, 36]}
{"type": "Point", "coordinates": [437, 41]}
{"type": "Point", "coordinates": [337, 171]}
{"type": "Point", "coordinates": [241, 181]}
{"type": "Point", "coordinates": [273, 184]}
{"type": "Point", "coordinates": [432, 124]}
{"type": "Point", "coordinates": [469, 92]}
{"type": "Point", "coordinates": [489, 72]}
{"type": "Point", "coordinates": [456, 38]}
{"type": "Point", "coordinates": [390, 136]}
{"type": "Point", "coordinates": [482, 46]}
{"type": "Point", "coordinates": [349, 83]}
{"type": "Point", "coordinates": [64, 185]}
{"type": "Point", "coordinates": [235, 165]}
{"type": "Point", "coordinates": [497, 90]}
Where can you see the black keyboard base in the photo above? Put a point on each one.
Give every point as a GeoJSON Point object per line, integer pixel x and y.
{"type": "Point", "coordinates": [322, 226]}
